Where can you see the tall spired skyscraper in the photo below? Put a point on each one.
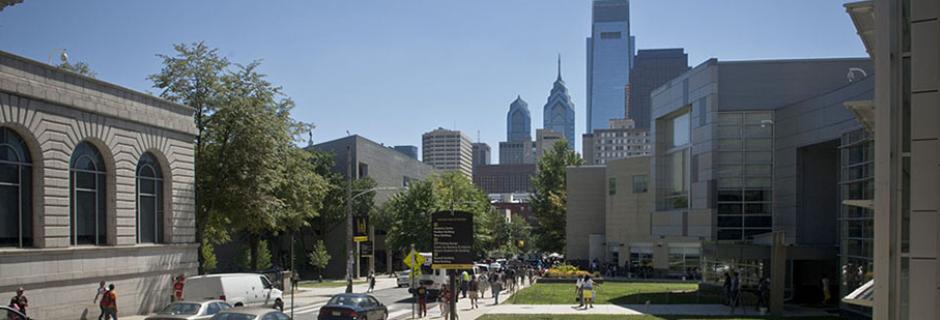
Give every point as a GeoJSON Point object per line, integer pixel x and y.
{"type": "Point", "coordinates": [518, 121]}
{"type": "Point", "coordinates": [609, 60]}
{"type": "Point", "coordinates": [558, 114]}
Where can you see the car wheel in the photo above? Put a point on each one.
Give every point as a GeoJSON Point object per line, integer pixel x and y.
{"type": "Point", "coordinates": [239, 304]}
{"type": "Point", "coordinates": [279, 304]}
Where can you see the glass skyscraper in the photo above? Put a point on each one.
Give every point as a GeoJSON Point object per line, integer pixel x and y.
{"type": "Point", "coordinates": [610, 56]}
{"type": "Point", "coordinates": [558, 113]}
{"type": "Point", "coordinates": [518, 121]}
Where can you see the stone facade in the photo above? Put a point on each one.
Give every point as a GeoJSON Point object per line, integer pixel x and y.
{"type": "Point", "coordinates": [53, 111]}
{"type": "Point", "coordinates": [584, 230]}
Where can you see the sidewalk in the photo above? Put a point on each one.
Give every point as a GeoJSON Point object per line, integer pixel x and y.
{"type": "Point", "coordinates": [652, 309]}
{"type": "Point", "coordinates": [463, 306]}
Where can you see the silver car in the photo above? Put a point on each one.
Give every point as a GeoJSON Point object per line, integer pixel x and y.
{"type": "Point", "coordinates": [404, 278]}
{"type": "Point", "coordinates": [191, 310]}
{"type": "Point", "coordinates": [252, 313]}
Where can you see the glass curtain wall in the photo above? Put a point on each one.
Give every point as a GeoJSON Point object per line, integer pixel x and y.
{"type": "Point", "coordinates": [744, 173]}
{"type": "Point", "coordinates": [857, 223]}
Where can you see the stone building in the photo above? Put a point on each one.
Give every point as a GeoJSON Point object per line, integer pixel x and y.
{"type": "Point", "coordinates": [97, 186]}
{"type": "Point", "coordinates": [622, 139]}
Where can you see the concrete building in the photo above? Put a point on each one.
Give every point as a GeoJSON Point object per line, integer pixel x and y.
{"type": "Point", "coordinates": [448, 150]}
{"type": "Point", "coordinates": [504, 178]}
{"type": "Point", "coordinates": [411, 151]}
{"type": "Point", "coordinates": [558, 113]}
{"type": "Point", "coordinates": [518, 121]}
{"type": "Point", "coordinates": [544, 140]}
{"type": "Point", "coordinates": [389, 169]}
{"type": "Point", "coordinates": [517, 152]}
{"type": "Point", "coordinates": [744, 148]}
{"type": "Point", "coordinates": [652, 68]}
{"type": "Point", "coordinates": [620, 140]}
{"type": "Point", "coordinates": [609, 60]}
{"type": "Point", "coordinates": [585, 230]}
{"type": "Point", "coordinates": [100, 188]}
{"type": "Point", "coordinates": [902, 37]}
{"type": "Point", "coordinates": [627, 217]}
{"type": "Point", "coordinates": [481, 154]}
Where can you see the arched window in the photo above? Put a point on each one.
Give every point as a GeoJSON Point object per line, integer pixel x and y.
{"type": "Point", "coordinates": [87, 187]}
{"type": "Point", "coordinates": [16, 214]}
{"type": "Point", "coordinates": [149, 200]}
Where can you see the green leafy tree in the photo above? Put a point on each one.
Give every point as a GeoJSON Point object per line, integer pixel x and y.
{"type": "Point", "coordinates": [319, 258]}
{"type": "Point", "coordinates": [551, 198]}
{"type": "Point", "coordinates": [409, 212]}
{"type": "Point", "coordinates": [246, 260]}
{"type": "Point", "coordinates": [78, 67]}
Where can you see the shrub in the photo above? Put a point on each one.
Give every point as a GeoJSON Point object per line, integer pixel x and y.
{"type": "Point", "coordinates": [565, 270]}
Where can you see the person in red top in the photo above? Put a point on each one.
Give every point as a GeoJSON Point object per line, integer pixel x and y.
{"type": "Point", "coordinates": [178, 288]}
{"type": "Point", "coordinates": [109, 303]}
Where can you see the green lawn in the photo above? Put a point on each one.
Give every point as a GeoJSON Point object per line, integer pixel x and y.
{"type": "Point", "coordinates": [326, 283]}
{"type": "Point", "coordinates": [617, 293]}
{"type": "Point", "coordinates": [626, 317]}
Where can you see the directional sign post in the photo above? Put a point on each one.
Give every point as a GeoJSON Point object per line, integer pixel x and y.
{"type": "Point", "coordinates": [453, 246]}
{"type": "Point", "coordinates": [361, 228]}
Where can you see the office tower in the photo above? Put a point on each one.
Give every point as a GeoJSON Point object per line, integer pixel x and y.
{"type": "Point", "coordinates": [558, 114]}
{"type": "Point", "coordinates": [448, 150]}
{"type": "Point", "coordinates": [651, 69]}
{"type": "Point", "coordinates": [411, 151]}
{"type": "Point", "coordinates": [622, 139]}
{"type": "Point", "coordinates": [518, 121]}
{"type": "Point", "coordinates": [609, 59]}
{"type": "Point", "coordinates": [481, 154]}
{"type": "Point", "coordinates": [544, 140]}
{"type": "Point", "coordinates": [516, 152]}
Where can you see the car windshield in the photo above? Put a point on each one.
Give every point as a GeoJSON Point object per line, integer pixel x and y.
{"type": "Point", "coordinates": [234, 316]}
{"type": "Point", "coordinates": [348, 301]}
{"type": "Point", "coordinates": [179, 308]}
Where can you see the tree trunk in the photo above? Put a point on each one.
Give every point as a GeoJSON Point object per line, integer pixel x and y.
{"type": "Point", "coordinates": [253, 249]}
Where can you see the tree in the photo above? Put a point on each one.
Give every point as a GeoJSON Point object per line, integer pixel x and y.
{"type": "Point", "coordinates": [333, 207]}
{"type": "Point", "coordinates": [193, 77]}
{"type": "Point", "coordinates": [319, 258]}
{"type": "Point", "coordinates": [409, 213]}
{"type": "Point", "coordinates": [551, 198]}
{"type": "Point", "coordinates": [262, 261]}
{"type": "Point", "coordinates": [79, 68]}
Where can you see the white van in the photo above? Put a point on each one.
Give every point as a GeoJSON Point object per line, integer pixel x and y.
{"type": "Point", "coordinates": [238, 289]}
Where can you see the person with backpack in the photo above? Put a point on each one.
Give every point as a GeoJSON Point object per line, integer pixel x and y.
{"type": "Point", "coordinates": [109, 303]}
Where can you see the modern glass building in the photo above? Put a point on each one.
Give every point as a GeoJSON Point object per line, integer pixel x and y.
{"type": "Point", "coordinates": [558, 113]}
{"type": "Point", "coordinates": [609, 60]}
{"type": "Point", "coordinates": [652, 68]}
{"type": "Point", "coordinates": [518, 121]}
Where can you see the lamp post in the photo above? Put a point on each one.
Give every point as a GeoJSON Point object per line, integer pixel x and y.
{"type": "Point", "coordinates": [353, 259]}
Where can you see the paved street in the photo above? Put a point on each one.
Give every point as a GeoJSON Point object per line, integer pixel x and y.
{"type": "Point", "coordinates": [397, 299]}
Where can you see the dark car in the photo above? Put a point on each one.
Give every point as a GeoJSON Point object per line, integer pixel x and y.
{"type": "Point", "coordinates": [353, 306]}
{"type": "Point", "coordinates": [12, 314]}
{"type": "Point", "coordinates": [253, 313]}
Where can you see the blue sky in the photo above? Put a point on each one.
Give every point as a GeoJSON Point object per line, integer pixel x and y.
{"type": "Point", "coordinates": [391, 70]}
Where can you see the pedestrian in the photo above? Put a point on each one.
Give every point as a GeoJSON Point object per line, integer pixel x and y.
{"type": "Point", "coordinates": [21, 301]}
{"type": "Point", "coordinates": [578, 286]}
{"type": "Point", "coordinates": [474, 288]}
{"type": "Point", "coordinates": [177, 287]}
{"type": "Point", "coordinates": [371, 281]}
{"type": "Point", "coordinates": [464, 283]}
{"type": "Point", "coordinates": [763, 288]}
{"type": "Point", "coordinates": [446, 295]}
{"type": "Point", "coordinates": [100, 295]}
{"type": "Point", "coordinates": [727, 288]}
{"type": "Point", "coordinates": [587, 291]}
{"type": "Point", "coordinates": [496, 286]}
{"type": "Point", "coordinates": [825, 290]}
{"type": "Point", "coordinates": [422, 293]}
{"type": "Point", "coordinates": [735, 291]}
{"type": "Point", "coordinates": [109, 303]}
{"type": "Point", "coordinates": [484, 282]}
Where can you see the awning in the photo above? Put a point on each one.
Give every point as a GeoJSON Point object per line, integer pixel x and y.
{"type": "Point", "coordinates": [863, 296]}
{"type": "Point", "coordinates": [863, 15]}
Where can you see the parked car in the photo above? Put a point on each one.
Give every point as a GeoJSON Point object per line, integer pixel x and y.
{"type": "Point", "coordinates": [404, 278]}
{"type": "Point", "coordinates": [250, 314]}
{"type": "Point", "coordinates": [357, 306]}
{"type": "Point", "coordinates": [238, 289]}
{"type": "Point", "coordinates": [190, 310]}
{"type": "Point", "coordinates": [12, 314]}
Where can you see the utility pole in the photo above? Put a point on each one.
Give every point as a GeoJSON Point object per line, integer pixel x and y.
{"type": "Point", "coordinates": [349, 220]}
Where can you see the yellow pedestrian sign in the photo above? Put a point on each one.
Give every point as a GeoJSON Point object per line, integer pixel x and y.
{"type": "Point", "coordinates": [414, 260]}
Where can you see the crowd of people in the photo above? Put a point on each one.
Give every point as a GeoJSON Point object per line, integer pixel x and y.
{"type": "Point", "coordinates": [510, 278]}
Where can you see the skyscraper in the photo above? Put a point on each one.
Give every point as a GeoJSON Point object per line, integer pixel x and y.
{"type": "Point", "coordinates": [609, 59]}
{"type": "Point", "coordinates": [651, 69]}
{"type": "Point", "coordinates": [448, 150]}
{"type": "Point", "coordinates": [518, 121]}
{"type": "Point", "coordinates": [481, 154]}
{"type": "Point", "coordinates": [558, 113]}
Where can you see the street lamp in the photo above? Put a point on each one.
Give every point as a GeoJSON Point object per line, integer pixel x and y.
{"type": "Point", "coordinates": [353, 259]}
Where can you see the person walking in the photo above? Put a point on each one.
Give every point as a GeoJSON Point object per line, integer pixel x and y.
{"type": "Point", "coordinates": [446, 295]}
{"type": "Point", "coordinates": [100, 295]}
{"type": "Point", "coordinates": [727, 288]}
{"type": "Point", "coordinates": [484, 284]}
{"type": "Point", "coordinates": [109, 303]}
{"type": "Point", "coordinates": [496, 286]}
{"type": "Point", "coordinates": [177, 287]}
{"type": "Point", "coordinates": [578, 286]}
{"type": "Point", "coordinates": [464, 283]}
{"type": "Point", "coordinates": [587, 291]}
{"type": "Point", "coordinates": [735, 291]}
{"type": "Point", "coordinates": [763, 290]}
{"type": "Point", "coordinates": [371, 281]}
{"type": "Point", "coordinates": [422, 293]}
{"type": "Point", "coordinates": [474, 287]}
{"type": "Point", "coordinates": [21, 301]}
{"type": "Point", "coordinates": [16, 307]}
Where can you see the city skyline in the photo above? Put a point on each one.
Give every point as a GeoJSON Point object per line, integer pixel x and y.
{"type": "Point", "coordinates": [418, 78]}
